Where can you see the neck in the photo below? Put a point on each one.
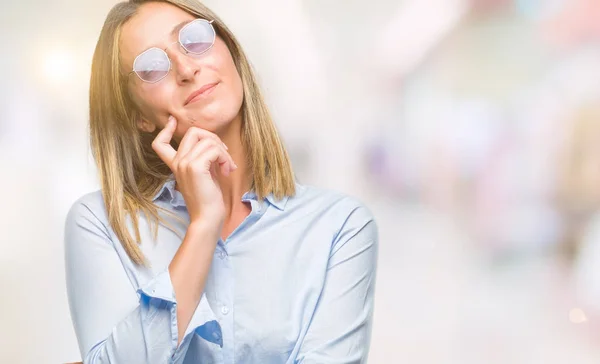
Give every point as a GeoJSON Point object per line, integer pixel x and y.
{"type": "Point", "coordinates": [238, 182]}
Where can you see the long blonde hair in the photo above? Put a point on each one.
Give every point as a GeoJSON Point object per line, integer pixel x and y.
{"type": "Point", "coordinates": [130, 172]}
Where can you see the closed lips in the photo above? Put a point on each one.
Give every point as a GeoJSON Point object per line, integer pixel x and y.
{"type": "Point", "coordinates": [200, 91]}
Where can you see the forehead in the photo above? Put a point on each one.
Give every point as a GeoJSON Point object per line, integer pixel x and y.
{"type": "Point", "coordinates": [150, 27]}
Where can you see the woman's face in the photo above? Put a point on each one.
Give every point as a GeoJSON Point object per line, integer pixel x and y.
{"type": "Point", "coordinates": [213, 110]}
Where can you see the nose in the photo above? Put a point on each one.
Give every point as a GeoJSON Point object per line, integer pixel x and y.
{"type": "Point", "coordinates": [185, 67]}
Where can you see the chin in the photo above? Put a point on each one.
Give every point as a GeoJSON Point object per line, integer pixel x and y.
{"type": "Point", "coordinates": [214, 117]}
{"type": "Point", "coordinates": [213, 122]}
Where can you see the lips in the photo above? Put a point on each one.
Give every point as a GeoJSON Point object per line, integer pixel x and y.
{"type": "Point", "coordinates": [200, 92]}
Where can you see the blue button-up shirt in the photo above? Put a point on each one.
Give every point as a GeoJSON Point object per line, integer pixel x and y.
{"type": "Point", "coordinates": [293, 283]}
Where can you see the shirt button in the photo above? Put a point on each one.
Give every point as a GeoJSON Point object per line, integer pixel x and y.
{"type": "Point", "coordinates": [222, 255]}
{"type": "Point", "coordinates": [224, 310]}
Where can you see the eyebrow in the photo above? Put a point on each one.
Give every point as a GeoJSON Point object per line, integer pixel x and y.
{"type": "Point", "coordinates": [178, 27]}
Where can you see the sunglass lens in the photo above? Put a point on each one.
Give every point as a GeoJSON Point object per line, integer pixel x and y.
{"type": "Point", "coordinates": [152, 65]}
{"type": "Point", "coordinates": [197, 37]}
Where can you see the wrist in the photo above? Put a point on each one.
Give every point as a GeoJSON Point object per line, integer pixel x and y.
{"type": "Point", "coordinates": [204, 227]}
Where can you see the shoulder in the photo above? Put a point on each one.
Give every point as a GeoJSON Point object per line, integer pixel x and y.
{"type": "Point", "coordinates": [92, 202]}
{"type": "Point", "coordinates": [322, 199]}
{"type": "Point", "coordinates": [346, 213]}
{"type": "Point", "coordinates": [88, 211]}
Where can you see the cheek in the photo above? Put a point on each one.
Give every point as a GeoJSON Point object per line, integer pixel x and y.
{"type": "Point", "coordinates": [237, 91]}
{"type": "Point", "coordinates": [229, 73]}
{"type": "Point", "coordinates": [228, 101]}
{"type": "Point", "coordinates": [223, 108]}
{"type": "Point", "coordinates": [153, 101]}
{"type": "Point", "coordinates": [235, 96]}
{"type": "Point", "coordinates": [235, 85]}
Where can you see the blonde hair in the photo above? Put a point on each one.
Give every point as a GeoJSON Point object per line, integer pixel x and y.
{"type": "Point", "coordinates": [130, 172]}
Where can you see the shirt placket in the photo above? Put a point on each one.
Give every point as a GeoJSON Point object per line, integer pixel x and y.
{"type": "Point", "coordinates": [224, 300]}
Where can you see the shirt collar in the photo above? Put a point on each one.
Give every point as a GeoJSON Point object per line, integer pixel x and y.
{"type": "Point", "coordinates": [168, 191]}
{"type": "Point", "coordinates": [279, 204]}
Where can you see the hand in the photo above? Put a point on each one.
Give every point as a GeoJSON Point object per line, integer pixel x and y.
{"type": "Point", "coordinates": [200, 156]}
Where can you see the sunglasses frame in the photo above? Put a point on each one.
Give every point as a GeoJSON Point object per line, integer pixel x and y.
{"type": "Point", "coordinates": [164, 50]}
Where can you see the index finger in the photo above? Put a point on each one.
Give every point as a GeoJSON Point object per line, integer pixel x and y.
{"type": "Point", "coordinates": [192, 136]}
{"type": "Point", "coordinates": [162, 142]}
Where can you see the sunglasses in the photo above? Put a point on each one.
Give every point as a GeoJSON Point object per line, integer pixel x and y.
{"type": "Point", "coordinates": [196, 37]}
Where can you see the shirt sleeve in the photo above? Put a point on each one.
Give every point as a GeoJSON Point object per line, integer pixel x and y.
{"type": "Point", "coordinates": [114, 323]}
{"type": "Point", "coordinates": [340, 329]}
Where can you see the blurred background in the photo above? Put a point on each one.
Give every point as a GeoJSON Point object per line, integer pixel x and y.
{"type": "Point", "coordinates": [471, 128]}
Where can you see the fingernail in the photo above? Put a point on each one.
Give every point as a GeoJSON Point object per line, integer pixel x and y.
{"type": "Point", "coordinates": [225, 146]}
{"type": "Point", "coordinates": [235, 166]}
{"type": "Point", "coordinates": [171, 119]}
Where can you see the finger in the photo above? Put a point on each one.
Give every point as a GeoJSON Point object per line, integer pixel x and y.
{"type": "Point", "coordinates": [200, 147]}
{"type": "Point", "coordinates": [192, 136]}
{"type": "Point", "coordinates": [161, 144]}
{"type": "Point", "coordinates": [226, 168]}
{"type": "Point", "coordinates": [214, 155]}
{"type": "Point", "coordinates": [204, 145]}
{"type": "Point", "coordinates": [230, 166]}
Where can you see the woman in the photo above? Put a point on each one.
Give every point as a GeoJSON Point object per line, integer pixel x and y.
{"type": "Point", "coordinates": [201, 247]}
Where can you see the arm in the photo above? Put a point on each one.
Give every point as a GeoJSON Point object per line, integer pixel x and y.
{"type": "Point", "coordinates": [188, 271]}
{"type": "Point", "coordinates": [340, 329]}
{"type": "Point", "coordinates": [113, 323]}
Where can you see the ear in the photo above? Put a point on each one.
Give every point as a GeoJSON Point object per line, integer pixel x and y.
{"type": "Point", "coordinates": [145, 125]}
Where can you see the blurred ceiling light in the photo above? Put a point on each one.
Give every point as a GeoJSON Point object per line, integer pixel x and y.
{"type": "Point", "coordinates": [577, 316]}
{"type": "Point", "coordinates": [58, 66]}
